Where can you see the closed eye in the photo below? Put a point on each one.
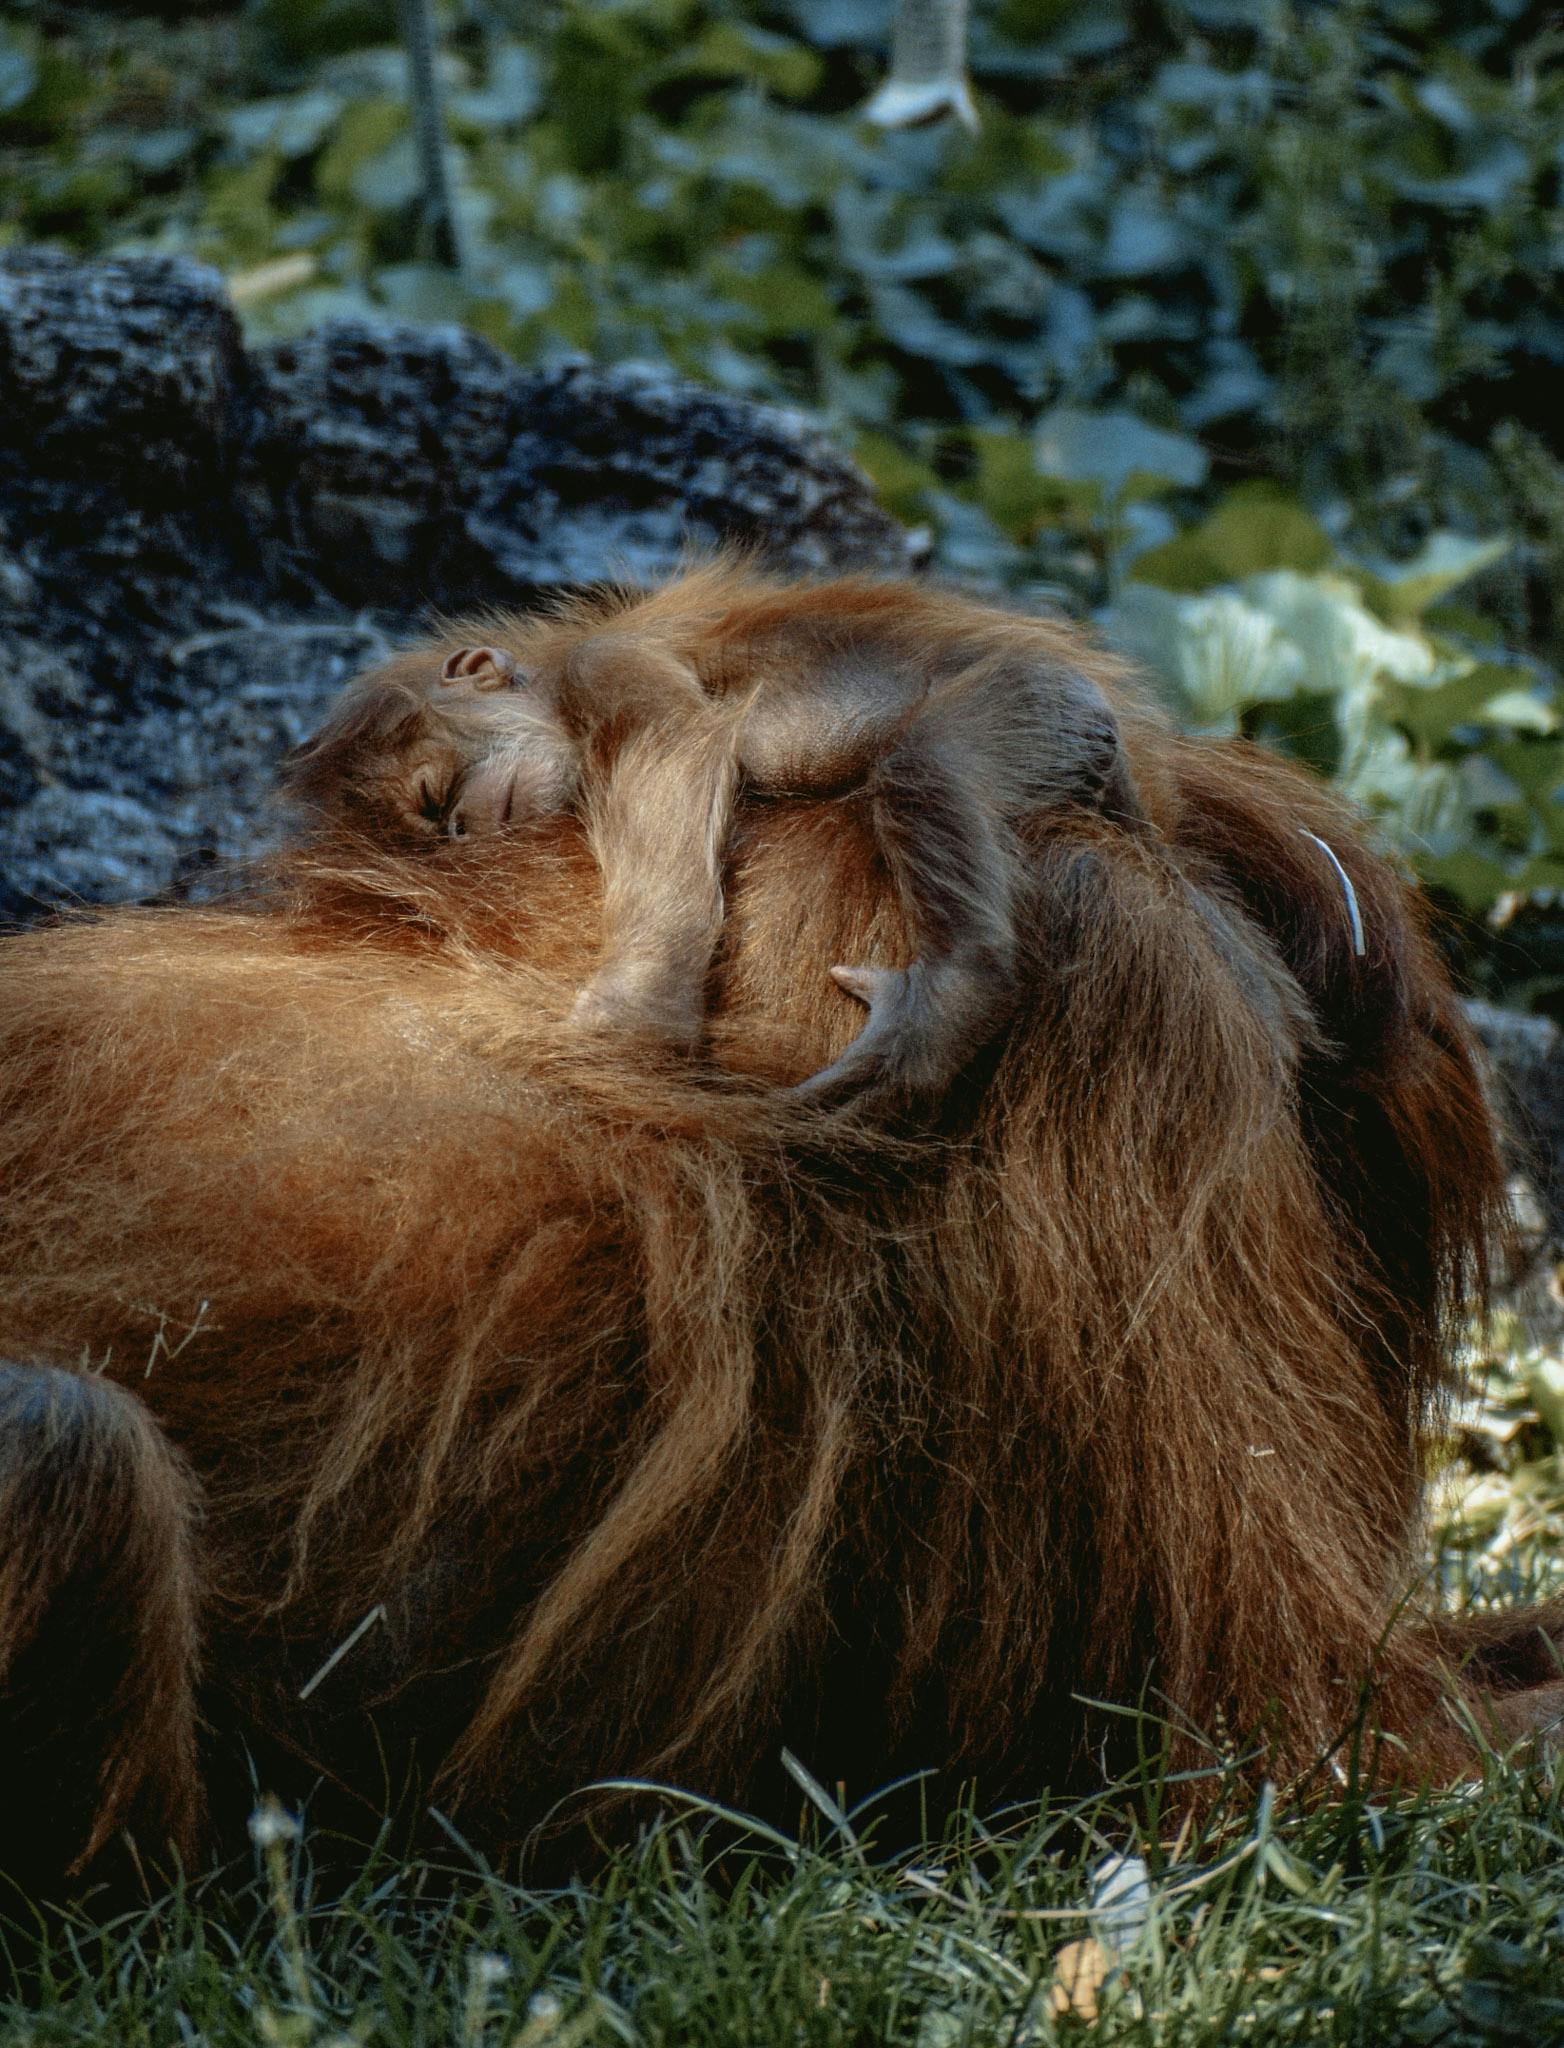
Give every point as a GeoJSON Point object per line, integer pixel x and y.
{"type": "Point", "coordinates": [432, 803]}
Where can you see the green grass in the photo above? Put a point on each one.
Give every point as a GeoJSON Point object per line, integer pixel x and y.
{"type": "Point", "coordinates": [1430, 1919]}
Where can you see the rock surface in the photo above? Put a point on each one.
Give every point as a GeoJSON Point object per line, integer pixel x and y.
{"type": "Point", "coordinates": [1527, 1054]}
{"type": "Point", "coordinates": [200, 542]}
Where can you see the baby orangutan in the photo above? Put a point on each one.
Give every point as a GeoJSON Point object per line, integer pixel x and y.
{"type": "Point", "coordinates": [651, 715]}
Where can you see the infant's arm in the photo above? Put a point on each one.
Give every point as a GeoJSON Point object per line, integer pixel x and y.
{"type": "Point", "coordinates": [951, 768]}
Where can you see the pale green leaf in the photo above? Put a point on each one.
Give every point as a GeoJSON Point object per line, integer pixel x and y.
{"type": "Point", "coordinates": [1117, 451]}
{"type": "Point", "coordinates": [1522, 710]}
{"type": "Point", "coordinates": [1344, 646]}
{"type": "Point", "coordinates": [1406, 590]}
{"type": "Point", "coordinates": [1544, 1379]}
{"type": "Point", "coordinates": [1218, 653]}
{"type": "Point", "coordinates": [18, 69]}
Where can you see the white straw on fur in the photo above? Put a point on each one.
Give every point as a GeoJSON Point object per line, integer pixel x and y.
{"type": "Point", "coordinates": [1353, 916]}
{"type": "Point", "coordinates": [375, 1614]}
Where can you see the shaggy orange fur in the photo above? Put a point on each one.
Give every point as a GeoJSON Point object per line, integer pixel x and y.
{"type": "Point", "coordinates": [660, 1419]}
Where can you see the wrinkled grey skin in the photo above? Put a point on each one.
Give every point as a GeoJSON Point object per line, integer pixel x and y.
{"type": "Point", "coordinates": [200, 542]}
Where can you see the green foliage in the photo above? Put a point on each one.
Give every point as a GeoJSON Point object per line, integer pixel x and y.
{"type": "Point", "coordinates": [1498, 1500]}
{"type": "Point", "coordinates": [1221, 294]}
{"type": "Point", "coordinates": [1253, 622]}
{"type": "Point", "coordinates": [1322, 238]}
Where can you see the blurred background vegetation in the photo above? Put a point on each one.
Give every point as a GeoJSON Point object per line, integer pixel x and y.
{"type": "Point", "coordinates": [1234, 327]}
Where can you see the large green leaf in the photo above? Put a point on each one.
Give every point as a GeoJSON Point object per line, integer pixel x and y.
{"type": "Point", "coordinates": [18, 69]}
{"type": "Point", "coordinates": [293, 126]}
{"type": "Point", "coordinates": [1257, 526]}
{"type": "Point", "coordinates": [1345, 648]}
{"type": "Point", "coordinates": [1216, 655]}
{"type": "Point", "coordinates": [1116, 451]}
{"type": "Point", "coordinates": [1445, 561]}
{"type": "Point", "coordinates": [369, 129]}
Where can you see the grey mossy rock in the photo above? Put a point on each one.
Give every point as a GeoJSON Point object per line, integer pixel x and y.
{"type": "Point", "coordinates": [1527, 1055]}
{"type": "Point", "coordinates": [200, 542]}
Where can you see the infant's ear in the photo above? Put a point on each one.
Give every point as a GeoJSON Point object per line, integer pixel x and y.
{"type": "Point", "coordinates": [481, 668]}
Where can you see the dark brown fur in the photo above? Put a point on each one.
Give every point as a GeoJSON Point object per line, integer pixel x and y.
{"type": "Point", "coordinates": [669, 1420]}
{"type": "Point", "coordinates": [99, 1598]}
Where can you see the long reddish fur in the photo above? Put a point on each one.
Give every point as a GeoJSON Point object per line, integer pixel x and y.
{"type": "Point", "coordinates": [671, 1420]}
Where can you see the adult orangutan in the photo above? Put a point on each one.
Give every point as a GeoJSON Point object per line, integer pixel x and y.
{"type": "Point", "coordinates": [388, 1348]}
